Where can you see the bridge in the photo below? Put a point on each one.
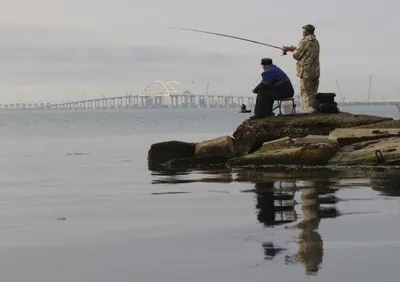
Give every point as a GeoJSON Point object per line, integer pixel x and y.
{"type": "Point", "coordinates": [157, 94]}
{"type": "Point", "coordinates": [164, 94]}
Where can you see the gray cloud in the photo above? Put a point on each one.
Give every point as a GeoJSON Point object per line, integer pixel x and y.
{"type": "Point", "coordinates": [60, 47]}
{"type": "Point", "coordinates": [24, 65]}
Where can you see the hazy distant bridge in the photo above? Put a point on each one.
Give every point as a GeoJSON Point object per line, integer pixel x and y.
{"type": "Point", "coordinates": [157, 94]}
{"type": "Point", "coordinates": [163, 94]}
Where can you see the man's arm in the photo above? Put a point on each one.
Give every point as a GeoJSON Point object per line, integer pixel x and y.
{"type": "Point", "coordinates": [289, 48]}
{"type": "Point", "coordinates": [257, 88]}
{"type": "Point", "coordinates": [261, 85]}
{"type": "Point", "coordinates": [267, 78]}
{"type": "Point", "coordinates": [300, 50]}
{"type": "Point", "coordinates": [267, 81]}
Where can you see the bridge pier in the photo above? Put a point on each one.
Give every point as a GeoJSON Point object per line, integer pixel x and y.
{"type": "Point", "coordinates": [127, 102]}
{"type": "Point", "coordinates": [192, 99]}
{"type": "Point", "coordinates": [202, 101]}
{"type": "Point", "coordinates": [250, 101]}
{"type": "Point", "coordinates": [136, 101]}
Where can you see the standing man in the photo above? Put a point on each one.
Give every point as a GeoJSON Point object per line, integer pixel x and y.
{"type": "Point", "coordinates": [307, 67]}
{"type": "Point", "coordinates": [275, 85]}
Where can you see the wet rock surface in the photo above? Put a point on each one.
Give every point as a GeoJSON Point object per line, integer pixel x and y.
{"type": "Point", "coordinates": [299, 125]}
{"type": "Point", "coordinates": [384, 124]}
{"type": "Point", "coordinates": [162, 152]}
{"type": "Point", "coordinates": [319, 140]}
{"type": "Point", "coordinates": [203, 162]}
{"type": "Point", "coordinates": [384, 151]}
{"type": "Point", "coordinates": [218, 147]}
{"type": "Point", "coordinates": [348, 136]}
{"type": "Point", "coordinates": [308, 154]}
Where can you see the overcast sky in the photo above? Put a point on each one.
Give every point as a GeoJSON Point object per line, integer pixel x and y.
{"type": "Point", "coordinates": [53, 50]}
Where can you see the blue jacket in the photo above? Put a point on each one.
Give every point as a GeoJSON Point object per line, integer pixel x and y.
{"type": "Point", "coordinates": [273, 74]}
{"type": "Point", "coordinates": [274, 77]}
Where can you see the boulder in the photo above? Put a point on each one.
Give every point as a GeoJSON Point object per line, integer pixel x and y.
{"type": "Point", "coordinates": [251, 134]}
{"type": "Point", "coordinates": [162, 152]}
{"type": "Point", "coordinates": [367, 153]}
{"type": "Point", "coordinates": [307, 155]}
{"type": "Point", "coordinates": [348, 136]}
{"type": "Point", "coordinates": [246, 138]}
{"type": "Point", "coordinates": [219, 147]}
{"type": "Point", "coordinates": [207, 162]}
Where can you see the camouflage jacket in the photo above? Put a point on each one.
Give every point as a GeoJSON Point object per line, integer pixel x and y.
{"type": "Point", "coordinates": [307, 57]}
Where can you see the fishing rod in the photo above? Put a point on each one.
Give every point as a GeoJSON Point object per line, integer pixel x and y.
{"type": "Point", "coordinates": [234, 37]}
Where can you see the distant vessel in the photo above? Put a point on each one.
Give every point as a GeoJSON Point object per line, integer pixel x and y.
{"type": "Point", "coordinates": [245, 111]}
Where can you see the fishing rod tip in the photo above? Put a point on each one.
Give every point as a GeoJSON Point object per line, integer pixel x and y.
{"type": "Point", "coordinates": [171, 27]}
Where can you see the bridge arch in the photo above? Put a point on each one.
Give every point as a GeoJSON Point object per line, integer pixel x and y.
{"type": "Point", "coordinates": [168, 88]}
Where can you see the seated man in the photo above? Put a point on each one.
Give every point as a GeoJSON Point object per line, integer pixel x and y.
{"type": "Point", "coordinates": [243, 108]}
{"type": "Point", "coordinates": [275, 85]}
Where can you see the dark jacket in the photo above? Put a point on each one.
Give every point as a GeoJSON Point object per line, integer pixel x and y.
{"type": "Point", "coordinates": [275, 81]}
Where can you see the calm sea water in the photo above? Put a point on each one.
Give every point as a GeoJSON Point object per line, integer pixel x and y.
{"type": "Point", "coordinates": [78, 204]}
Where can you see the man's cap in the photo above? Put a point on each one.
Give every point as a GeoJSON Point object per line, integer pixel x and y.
{"type": "Point", "coordinates": [309, 28]}
{"type": "Point", "coordinates": [266, 62]}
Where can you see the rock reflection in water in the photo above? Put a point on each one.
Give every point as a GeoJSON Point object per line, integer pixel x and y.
{"type": "Point", "coordinates": [275, 205]}
{"type": "Point", "coordinates": [386, 182]}
{"type": "Point", "coordinates": [215, 176]}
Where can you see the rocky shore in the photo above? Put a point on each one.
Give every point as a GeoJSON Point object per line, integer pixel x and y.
{"type": "Point", "coordinates": [307, 140]}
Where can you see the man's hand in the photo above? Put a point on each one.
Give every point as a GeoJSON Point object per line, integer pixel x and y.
{"type": "Point", "coordinates": [288, 48]}
{"type": "Point", "coordinates": [254, 91]}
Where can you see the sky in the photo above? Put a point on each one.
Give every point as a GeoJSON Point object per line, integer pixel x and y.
{"type": "Point", "coordinates": [54, 51]}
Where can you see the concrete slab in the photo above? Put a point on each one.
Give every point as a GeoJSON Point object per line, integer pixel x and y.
{"type": "Point", "coordinates": [277, 144]}
{"type": "Point", "coordinates": [348, 136]}
{"type": "Point", "coordinates": [311, 139]}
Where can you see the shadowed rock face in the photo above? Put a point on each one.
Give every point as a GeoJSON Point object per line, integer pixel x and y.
{"type": "Point", "coordinates": [384, 124]}
{"type": "Point", "coordinates": [162, 152]}
{"type": "Point", "coordinates": [300, 125]}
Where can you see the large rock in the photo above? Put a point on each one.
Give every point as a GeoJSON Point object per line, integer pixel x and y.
{"type": "Point", "coordinates": [162, 152]}
{"type": "Point", "coordinates": [280, 143]}
{"type": "Point", "coordinates": [219, 147]}
{"type": "Point", "coordinates": [307, 155]}
{"type": "Point", "coordinates": [348, 136]}
{"type": "Point", "coordinates": [251, 134]}
{"type": "Point", "coordinates": [208, 162]}
{"type": "Point", "coordinates": [367, 153]}
{"type": "Point", "coordinates": [384, 124]}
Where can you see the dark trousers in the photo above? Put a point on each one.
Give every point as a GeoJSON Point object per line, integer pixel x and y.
{"type": "Point", "coordinates": [267, 95]}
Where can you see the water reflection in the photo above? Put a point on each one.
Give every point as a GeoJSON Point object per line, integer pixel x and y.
{"type": "Point", "coordinates": [386, 182]}
{"type": "Point", "coordinates": [303, 197]}
{"type": "Point", "coordinates": [311, 250]}
{"type": "Point", "coordinates": [275, 205]}
{"type": "Point", "coordinates": [270, 251]}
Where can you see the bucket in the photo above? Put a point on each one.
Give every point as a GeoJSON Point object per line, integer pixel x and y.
{"type": "Point", "coordinates": [287, 107]}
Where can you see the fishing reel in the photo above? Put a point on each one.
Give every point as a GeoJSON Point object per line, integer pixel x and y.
{"type": "Point", "coordinates": [284, 53]}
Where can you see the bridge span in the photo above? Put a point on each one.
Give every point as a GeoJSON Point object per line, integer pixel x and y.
{"type": "Point", "coordinates": [157, 94]}
{"type": "Point", "coordinates": [165, 94]}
